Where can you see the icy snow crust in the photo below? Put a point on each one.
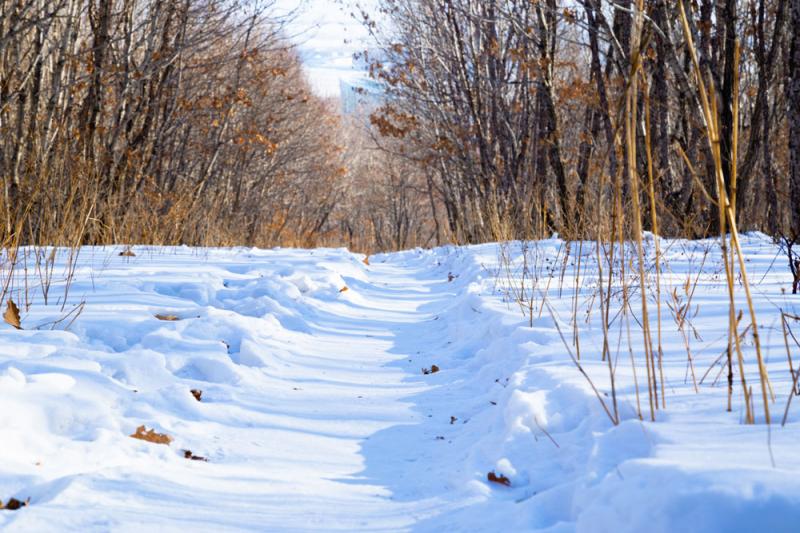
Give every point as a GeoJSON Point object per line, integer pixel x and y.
{"type": "Point", "coordinates": [315, 413]}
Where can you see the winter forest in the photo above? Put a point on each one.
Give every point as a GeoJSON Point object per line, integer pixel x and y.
{"type": "Point", "coordinates": [528, 265]}
{"type": "Point", "coordinates": [190, 122]}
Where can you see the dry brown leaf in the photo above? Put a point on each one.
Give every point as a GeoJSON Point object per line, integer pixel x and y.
{"type": "Point", "coordinates": [168, 318]}
{"type": "Point", "coordinates": [127, 252]}
{"type": "Point", "coordinates": [11, 316]}
{"type": "Point", "coordinates": [142, 433]}
{"type": "Point", "coordinates": [500, 479]}
{"type": "Point", "coordinates": [189, 455]}
{"type": "Point", "coordinates": [14, 504]}
{"type": "Point", "coordinates": [197, 393]}
{"type": "Point", "coordinates": [366, 260]}
{"type": "Point", "coordinates": [432, 370]}
{"type": "Point", "coordinates": [343, 289]}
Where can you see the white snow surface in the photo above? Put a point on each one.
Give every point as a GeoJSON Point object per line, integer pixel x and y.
{"type": "Point", "coordinates": [316, 415]}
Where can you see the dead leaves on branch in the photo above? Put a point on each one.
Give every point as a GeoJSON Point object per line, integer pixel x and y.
{"type": "Point", "coordinates": [11, 316]}
{"type": "Point", "coordinates": [150, 435]}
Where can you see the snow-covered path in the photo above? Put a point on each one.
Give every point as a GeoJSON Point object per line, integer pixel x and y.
{"type": "Point", "coordinates": [316, 413]}
{"type": "Point", "coordinates": [291, 397]}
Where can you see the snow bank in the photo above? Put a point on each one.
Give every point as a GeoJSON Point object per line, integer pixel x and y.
{"type": "Point", "coordinates": [343, 395]}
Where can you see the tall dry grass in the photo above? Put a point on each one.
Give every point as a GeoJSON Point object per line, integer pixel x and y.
{"type": "Point", "coordinates": [627, 271]}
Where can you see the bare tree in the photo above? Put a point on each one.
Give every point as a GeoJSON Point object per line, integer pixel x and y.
{"type": "Point", "coordinates": [169, 122]}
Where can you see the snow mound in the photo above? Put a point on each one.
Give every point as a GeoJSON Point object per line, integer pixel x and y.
{"type": "Point", "coordinates": [418, 392]}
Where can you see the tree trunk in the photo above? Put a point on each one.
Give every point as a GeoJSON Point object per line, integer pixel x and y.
{"type": "Point", "coordinates": [793, 117]}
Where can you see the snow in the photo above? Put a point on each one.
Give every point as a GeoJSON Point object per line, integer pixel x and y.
{"type": "Point", "coordinates": [315, 413]}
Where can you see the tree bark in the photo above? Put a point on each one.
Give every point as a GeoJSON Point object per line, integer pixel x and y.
{"type": "Point", "coordinates": [793, 116]}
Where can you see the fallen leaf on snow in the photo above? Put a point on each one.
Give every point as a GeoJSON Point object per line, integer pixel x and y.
{"type": "Point", "coordinates": [189, 455]}
{"type": "Point", "coordinates": [343, 289]}
{"type": "Point", "coordinates": [366, 260]}
{"type": "Point", "coordinates": [11, 316]}
{"type": "Point", "coordinates": [197, 393]}
{"type": "Point", "coordinates": [127, 252]}
{"type": "Point", "coordinates": [14, 504]}
{"type": "Point", "coordinates": [150, 435]}
{"type": "Point", "coordinates": [432, 370]}
{"type": "Point", "coordinates": [168, 318]}
{"type": "Point", "coordinates": [500, 479]}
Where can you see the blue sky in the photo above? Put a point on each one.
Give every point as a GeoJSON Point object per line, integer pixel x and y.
{"type": "Point", "coordinates": [327, 36]}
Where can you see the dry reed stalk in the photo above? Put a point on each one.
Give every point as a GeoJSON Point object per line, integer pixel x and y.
{"type": "Point", "coordinates": [733, 324]}
{"type": "Point", "coordinates": [633, 367]}
{"type": "Point", "coordinates": [631, 119]}
{"type": "Point", "coordinates": [735, 140]}
{"type": "Point", "coordinates": [575, 335]}
{"type": "Point", "coordinates": [795, 375]}
{"type": "Point", "coordinates": [604, 302]}
{"type": "Point", "coordinates": [564, 264]}
{"type": "Point", "coordinates": [787, 331]}
{"type": "Point", "coordinates": [682, 312]}
{"type": "Point", "coordinates": [656, 237]}
{"type": "Point", "coordinates": [712, 119]}
{"type": "Point", "coordinates": [727, 216]}
{"type": "Point", "coordinates": [549, 280]}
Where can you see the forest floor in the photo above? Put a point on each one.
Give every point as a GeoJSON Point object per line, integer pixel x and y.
{"type": "Point", "coordinates": [318, 408]}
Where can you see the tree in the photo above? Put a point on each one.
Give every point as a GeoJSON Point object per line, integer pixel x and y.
{"type": "Point", "coordinates": [793, 119]}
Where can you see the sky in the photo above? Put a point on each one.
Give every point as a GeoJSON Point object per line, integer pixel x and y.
{"type": "Point", "coordinates": [327, 37]}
